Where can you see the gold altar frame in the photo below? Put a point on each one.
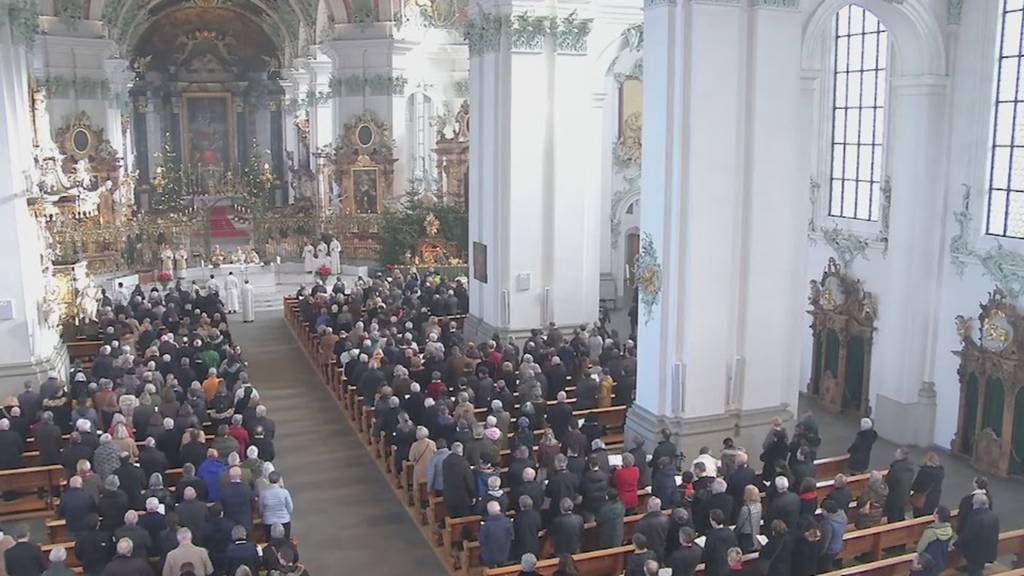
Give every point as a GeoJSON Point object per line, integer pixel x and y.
{"type": "Point", "coordinates": [186, 134]}
{"type": "Point", "coordinates": [376, 183]}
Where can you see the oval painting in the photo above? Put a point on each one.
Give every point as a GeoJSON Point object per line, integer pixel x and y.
{"type": "Point", "coordinates": [81, 140]}
{"type": "Point", "coordinates": [364, 134]}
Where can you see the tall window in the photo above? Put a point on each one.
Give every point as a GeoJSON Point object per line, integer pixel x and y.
{"type": "Point", "coordinates": [1006, 181]}
{"type": "Point", "coordinates": [858, 113]}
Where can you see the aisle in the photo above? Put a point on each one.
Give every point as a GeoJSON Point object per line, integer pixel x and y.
{"type": "Point", "coordinates": [347, 520]}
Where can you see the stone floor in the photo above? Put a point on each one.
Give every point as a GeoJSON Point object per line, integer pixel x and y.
{"type": "Point", "coordinates": [344, 521]}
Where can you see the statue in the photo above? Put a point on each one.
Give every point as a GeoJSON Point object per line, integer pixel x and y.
{"type": "Point", "coordinates": [88, 302]}
{"type": "Point", "coordinates": [307, 258]}
{"type": "Point", "coordinates": [167, 260]}
{"type": "Point", "coordinates": [238, 257]}
{"type": "Point", "coordinates": [253, 257]}
{"type": "Point", "coordinates": [181, 262]}
{"type": "Point", "coordinates": [217, 256]}
{"type": "Point", "coordinates": [335, 255]}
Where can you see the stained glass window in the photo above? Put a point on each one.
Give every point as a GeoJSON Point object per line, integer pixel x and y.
{"type": "Point", "coordinates": [1006, 180]}
{"type": "Point", "coordinates": [861, 57]}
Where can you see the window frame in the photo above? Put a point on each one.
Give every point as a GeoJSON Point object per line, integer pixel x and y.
{"type": "Point", "coordinates": [830, 109]}
{"type": "Point", "coordinates": [1017, 102]}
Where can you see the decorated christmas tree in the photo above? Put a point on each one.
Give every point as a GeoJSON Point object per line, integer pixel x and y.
{"type": "Point", "coordinates": [170, 182]}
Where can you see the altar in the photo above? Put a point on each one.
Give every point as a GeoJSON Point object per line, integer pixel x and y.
{"type": "Point", "coordinates": [261, 276]}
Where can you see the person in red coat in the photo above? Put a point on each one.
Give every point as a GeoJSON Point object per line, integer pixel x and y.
{"type": "Point", "coordinates": [239, 433]}
{"type": "Point", "coordinates": [626, 480]}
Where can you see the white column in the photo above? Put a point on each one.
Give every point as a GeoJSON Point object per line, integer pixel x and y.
{"type": "Point", "coordinates": [120, 78]}
{"type": "Point", "coordinates": [721, 103]}
{"type": "Point", "coordinates": [534, 188]}
{"type": "Point", "coordinates": [902, 374]}
{"type": "Point", "coordinates": [321, 116]}
{"type": "Point", "coordinates": [28, 349]}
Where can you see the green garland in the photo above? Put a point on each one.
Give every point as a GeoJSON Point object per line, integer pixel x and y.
{"type": "Point", "coordinates": [23, 18]}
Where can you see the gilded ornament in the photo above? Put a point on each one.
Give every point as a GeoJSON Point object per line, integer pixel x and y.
{"type": "Point", "coordinates": [648, 276]}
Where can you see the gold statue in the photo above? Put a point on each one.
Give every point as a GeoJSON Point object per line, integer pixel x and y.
{"type": "Point", "coordinates": [432, 225]}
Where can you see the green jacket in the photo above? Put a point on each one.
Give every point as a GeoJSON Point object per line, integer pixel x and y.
{"type": "Point", "coordinates": [58, 569]}
{"type": "Point", "coordinates": [609, 524]}
{"type": "Point", "coordinates": [934, 531]}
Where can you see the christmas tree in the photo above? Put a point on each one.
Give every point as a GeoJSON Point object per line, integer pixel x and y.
{"type": "Point", "coordinates": [170, 182]}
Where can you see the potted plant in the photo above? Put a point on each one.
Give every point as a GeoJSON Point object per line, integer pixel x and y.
{"type": "Point", "coordinates": [323, 272]}
{"type": "Point", "coordinates": [164, 278]}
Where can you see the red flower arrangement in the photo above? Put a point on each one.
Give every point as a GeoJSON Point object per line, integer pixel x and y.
{"type": "Point", "coordinates": [164, 277]}
{"type": "Point", "coordinates": [323, 271]}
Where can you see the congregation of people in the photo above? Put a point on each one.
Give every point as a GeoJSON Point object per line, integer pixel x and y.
{"type": "Point", "coordinates": [396, 342]}
{"type": "Point", "coordinates": [168, 390]}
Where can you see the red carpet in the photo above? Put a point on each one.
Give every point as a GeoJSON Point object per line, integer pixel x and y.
{"type": "Point", "coordinates": [221, 226]}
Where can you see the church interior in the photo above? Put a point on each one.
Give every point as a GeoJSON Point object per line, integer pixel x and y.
{"type": "Point", "coordinates": [690, 221]}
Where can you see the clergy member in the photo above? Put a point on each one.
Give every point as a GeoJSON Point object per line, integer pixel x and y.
{"type": "Point", "coordinates": [248, 302]}
{"type": "Point", "coordinates": [231, 293]}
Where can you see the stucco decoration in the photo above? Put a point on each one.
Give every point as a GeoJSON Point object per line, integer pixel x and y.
{"type": "Point", "coordinates": [70, 12]}
{"type": "Point", "coordinates": [960, 248]}
{"type": "Point", "coordinates": [781, 4]}
{"type": "Point", "coordinates": [22, 16]}
{"type": "Point", "coordinates": [847, 245]}
{"type": "Point", "coordinates": [954, 11]}
{"type": "Point", "coordinates": [1004, 266]}
{"type": "Point", "coordinates": [483, 32]}
{"type": "Point", "coordinates": [648, 276]}
{"type": "Point", "coordinates": [628, 191]}
{"type": "Point", "coordinates": [528, 32]}
{"type": "Point", "coordinates": [812, 225]}
{"type": "Point", "coordinates": [571, 33]}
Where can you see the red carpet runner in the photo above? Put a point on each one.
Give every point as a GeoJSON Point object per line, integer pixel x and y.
{"type": "Point", "coordinates": [221, 226]}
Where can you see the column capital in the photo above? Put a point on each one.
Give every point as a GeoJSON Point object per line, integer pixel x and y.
{"type": "Point", "coordinates": [791, 5]}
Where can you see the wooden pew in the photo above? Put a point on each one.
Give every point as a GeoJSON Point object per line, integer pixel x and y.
{"type": "Point", "coordinates": [1010, 544]}
{"type": "Point", "coordinates": [57, 531]}
{"type": "Point", "coordinates": [30, 480]}
{"type": "Point", "coordinates": [829, 467]}
{"type": "Point", "coordinates": [608, 562]}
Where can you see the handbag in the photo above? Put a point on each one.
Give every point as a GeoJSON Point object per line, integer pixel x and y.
{"type": "Point", "coordinates": [917, 499]}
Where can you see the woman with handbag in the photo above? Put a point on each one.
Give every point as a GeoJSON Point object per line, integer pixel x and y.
{"type": "Point", "coordinates": [748, 522]}
{"type": "Point", "coordinates": [926, 491]}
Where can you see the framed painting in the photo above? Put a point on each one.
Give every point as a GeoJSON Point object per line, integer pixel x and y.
{"type": "Point", "coordinates": [366, 189]}
{"type": "Point", "coordinates": [480, 262]}
{"type": "Point", "coordinates": [208, 131]}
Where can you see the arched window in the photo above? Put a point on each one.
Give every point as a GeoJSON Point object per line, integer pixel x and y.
{"type": "Point", "coordinates": [1006, 179]}
{"type": "Point", "coordinates": [861, 56]}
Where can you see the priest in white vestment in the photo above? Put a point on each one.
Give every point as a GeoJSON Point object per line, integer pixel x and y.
{"type": "Point", "coordinates": [248, 302]}
{"type": "Point", "coordinates": [308, 262]}
{"type": "Point", "coordinates": [335, 249]}
{"type": "Point", "coordinates": [231, 293]}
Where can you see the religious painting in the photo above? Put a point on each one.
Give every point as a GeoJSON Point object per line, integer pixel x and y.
{"type": "Point", "coordinates": [208, 135]}
{"type": "Point", "coordinates": [366, 189]}
{"type": "Point", "coordinates": [480, 262]}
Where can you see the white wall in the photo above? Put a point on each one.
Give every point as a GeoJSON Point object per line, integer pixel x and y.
{"type": "Point", "coordinates": [939, 138]}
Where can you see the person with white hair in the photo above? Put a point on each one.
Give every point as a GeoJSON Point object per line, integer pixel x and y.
{"type": "Point", "coordinates": [276, 506]}
{"type": "Point", "coordinates": [58, 557]}
{"type": "Point", "coordinates": [187, 553]}
{"type": "Point", "coordinates": [495, 536]}
{"type": "Point", "coordinates": [860, 449]}
{"type": "Point", "coordinates": [784, 506]}
{"type": "Point", "coordinates": [107, 457]}
{"type": "Point", "coordinates": [142, 542]}
{"type": "Point", "coordinates": [237, 498]}
{"type": "Point", "coordinates": [420, 454]}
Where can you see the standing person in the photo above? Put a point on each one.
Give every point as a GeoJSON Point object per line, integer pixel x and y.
{"type": "Point", "coordinates": [231, 289]}
{"type": "Point", "coordinates": [899, 479]}
{"type": "Point", "coordinates": [979, 540]}
{"type": "Point", "coordinates": [748, 520]}
{"type": "Point", "coordinates": [25, 558]}
{"type": "Point", "coordinates": [685, 559]}
{"type": "Point", "coordinates": [187, 553]}
{"type": "Point", "coordinates": [872, 501]}
{"type": "Point", "coordinates": [566, 530]}
{"type": "Point", "coordinates": [626, 480]}
{"type": "Point", "coordinates": [860, 450]}
{"type": "Point", "coordinates": [926, 490]}
{"type": "Point", "coordinates": [979, 485]}
{"type": "Point", "coordinates": [833, 527]}
{"type": "Point", "coordinates": [638, 559]}
{"type": "Point", "coordinates": [610, 521]}
{"type": "Point", "coordinates": [774, 448]}
{"type": "Point", "coordinates": [459, 488]}
{"type": "Point", "coordinates": [495, 536]}
{"type": "Point", "coordinates": [248, 302]}
{"type": "Point", "coordinates": [776, 559]}
{"type": "Point", "coordinates": [719, 540]}
{"type": "Point", "coordinates": [936, 539]}
{"type": "Point", "coordinates": [276, 506]}
{"type": "Point", "coordinates": [527, 526]}
{"type": "Point", "coordinates": [807, 548]}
